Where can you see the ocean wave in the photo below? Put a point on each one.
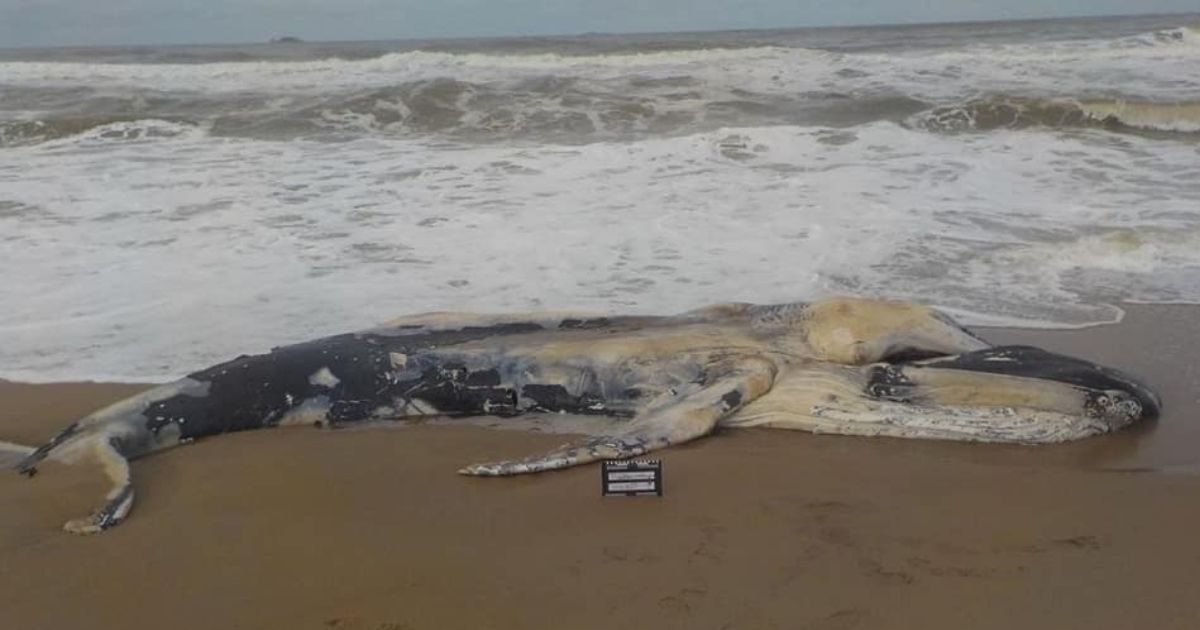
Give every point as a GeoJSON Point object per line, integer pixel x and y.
{"type": "Point", "coordinates": [1188, 35]}
{"type": "Point", "coordinates": [87, 130]}
{"type": "Point", "coordinates": [542, 108]}
{"type": "Point", "coordinates": [1182, 117]}
{"type": "Point", "coordinates": [1146, 82]}
{"type": "Point", "coordinates": [1002, 112]}
{"type": "Point", "coordinates": [564, 110]}
{"type": "Point", "coordinates": [1162, 59]}
{"type": "Point", "coordinates": [1176, 46]}
{"type": "Point", "coordinates": [90, 129]}
{"type": "Point", "coordinates": [336, 71]}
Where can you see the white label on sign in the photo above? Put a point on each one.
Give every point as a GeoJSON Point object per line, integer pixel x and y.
{"type": "Point", "coordinates": [631, 476]}
{"type": "Point", "coordinates": [631, 486]}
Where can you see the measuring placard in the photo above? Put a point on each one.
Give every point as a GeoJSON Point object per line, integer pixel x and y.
{"type": "Point", "coordinates": [631, 477]}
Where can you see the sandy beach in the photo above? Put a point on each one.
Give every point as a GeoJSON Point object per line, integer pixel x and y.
{"type": "Point", "coordinates": [372, 530]}
{"type": "Point", "coordinates": [182, 187]}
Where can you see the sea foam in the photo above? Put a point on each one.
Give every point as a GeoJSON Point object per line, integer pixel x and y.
{"type": "Point", "coordinates": [151, 257]}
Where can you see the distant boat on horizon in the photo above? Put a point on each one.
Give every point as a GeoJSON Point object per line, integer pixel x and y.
{"type": "Point", "coordinates": [287, 39]}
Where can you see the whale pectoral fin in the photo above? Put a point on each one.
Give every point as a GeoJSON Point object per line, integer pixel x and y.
{"type": "Point", "coordinates": [681, 421]}
{"type": "Point", "coordinates": [118, 501]}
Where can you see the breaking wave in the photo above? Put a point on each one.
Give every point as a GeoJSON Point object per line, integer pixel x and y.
{"type": "Point", "coordinates": [1021, 113]}
{"type": "Point", "coordinates": [540, 108]}
{"type": "Point", "coordinates": [1178, 36]}
{"type": "Point", "coordinates": [566, 110]}
{"type": "Point", "coordinates": [91, 129]}
{"type": "Point", "coordinates": [1141, 80]}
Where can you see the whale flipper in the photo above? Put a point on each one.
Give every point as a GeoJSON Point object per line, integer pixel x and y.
{"type": "Point", "coordinates": [678, 421]}
{"type": "Point", "coordinates": [119, 499]}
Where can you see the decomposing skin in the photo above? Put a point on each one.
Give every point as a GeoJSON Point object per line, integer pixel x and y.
{"type": "Point", "coordinates": [847, 366]}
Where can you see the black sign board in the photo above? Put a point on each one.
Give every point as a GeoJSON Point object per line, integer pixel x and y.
{"type": "Point", "coordinates": [631, 478]}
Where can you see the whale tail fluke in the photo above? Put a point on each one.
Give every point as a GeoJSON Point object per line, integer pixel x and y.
{"type": "Point", "coordinates": [12, 455]}
{"type": "Point", "coordinates": [27, 463]}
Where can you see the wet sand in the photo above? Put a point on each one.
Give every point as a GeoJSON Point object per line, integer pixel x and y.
{"type": "Point", "coordinates": [372, 530]}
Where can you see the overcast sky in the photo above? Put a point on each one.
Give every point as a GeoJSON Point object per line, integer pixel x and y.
{"type": "Point", "coordinates": [112, 22]}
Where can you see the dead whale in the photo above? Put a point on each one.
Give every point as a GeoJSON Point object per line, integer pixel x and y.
{"type": "Point", "coordinates": [845, 366]}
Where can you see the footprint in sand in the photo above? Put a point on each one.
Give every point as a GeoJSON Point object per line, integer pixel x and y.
{"type": "Point", "coordinates": [711, 545]}
{"type": "Point", "coordinates": [1090, 543]}
{"type": "Point", "coordinates": [683, 601]}
{"type": "Point", "coordinates": [841, 620]}
{"type": "Point", "coordinates": [353, 623]}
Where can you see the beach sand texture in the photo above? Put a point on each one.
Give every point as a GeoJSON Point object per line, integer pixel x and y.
{"type": "Point", "coordinates": [371, 529]}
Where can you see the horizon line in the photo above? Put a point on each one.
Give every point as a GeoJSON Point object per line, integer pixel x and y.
{"type": "Point", "coordinates": [580, 34]}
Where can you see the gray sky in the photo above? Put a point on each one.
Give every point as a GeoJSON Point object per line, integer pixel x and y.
{"type": "Point", "coordinates": [105, 22]}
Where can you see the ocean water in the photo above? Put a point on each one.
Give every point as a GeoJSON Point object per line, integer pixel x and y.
{"type": "Point", "coordinates": [165, 208]}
